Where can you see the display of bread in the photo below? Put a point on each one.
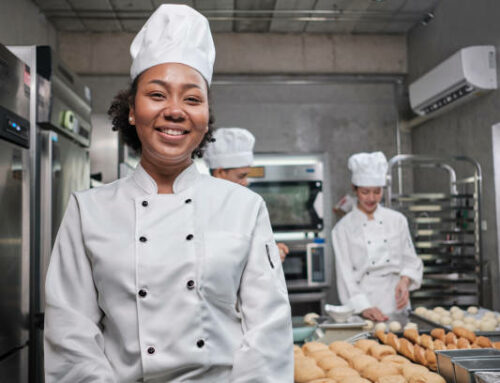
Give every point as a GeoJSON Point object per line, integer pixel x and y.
{"type": "Point", "coordinates": [473, 318]}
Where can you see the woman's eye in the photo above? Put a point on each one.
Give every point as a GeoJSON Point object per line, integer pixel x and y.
{"type": "Point", "coordinates": [193, 99]}
{"type": "Point", "coordinates": [156, 95]}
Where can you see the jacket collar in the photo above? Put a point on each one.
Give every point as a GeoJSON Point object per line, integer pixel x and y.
{"type": "Point", "coordinates": [377, 214]}
{"type": "Point", "coordinates": [186, 179]}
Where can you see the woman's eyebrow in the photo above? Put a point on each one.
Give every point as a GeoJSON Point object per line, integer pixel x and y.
{"type": "Point", "coordinates": [167, 85]}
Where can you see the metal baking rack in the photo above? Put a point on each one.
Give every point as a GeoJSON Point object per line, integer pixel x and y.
{"type": "Point", "coordinates": [445, 226]}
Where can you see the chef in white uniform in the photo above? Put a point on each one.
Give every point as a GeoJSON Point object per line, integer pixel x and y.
{"type": "Point", "coordinates": [376, 264]}
{"type": "Point", "coordinates": [230, 156]}
{"type": "Point", "coordinates": [167, 275]}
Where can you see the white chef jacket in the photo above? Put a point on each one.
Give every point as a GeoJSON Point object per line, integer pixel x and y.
{"type": "Point", "coordinates": [182, 287]}
{"type": "Point", "coordinates": [371, 256]}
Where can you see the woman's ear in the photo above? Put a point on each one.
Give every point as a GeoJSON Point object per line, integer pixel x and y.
{"type": "Point", "coordinates": [131, 116]}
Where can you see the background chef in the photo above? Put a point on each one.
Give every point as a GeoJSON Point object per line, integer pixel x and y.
{"type": "Point", "coordinates": [167, 275]}
{"type": "Point", "coordinates": [230, 156]}
{"type": "Point", "coordinates": [376, 263]}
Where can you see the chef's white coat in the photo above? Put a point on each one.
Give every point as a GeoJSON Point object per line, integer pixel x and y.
{"type": "Point", "coordinates": [182, 287]}
{"type": "Point", "coordinates": [371, 256]}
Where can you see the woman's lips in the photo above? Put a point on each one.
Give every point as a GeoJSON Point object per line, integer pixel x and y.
{"type": "Point", "coordinates": [172, 134]}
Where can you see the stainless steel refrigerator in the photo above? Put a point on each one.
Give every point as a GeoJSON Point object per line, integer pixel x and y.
{"type": "Point", "coordinates": [15, 217]}
{"type": "Point", "coordinates": [63, 129]}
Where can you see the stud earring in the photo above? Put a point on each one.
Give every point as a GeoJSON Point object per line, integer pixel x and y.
{"type": "Point", "coordinates": [131, 120]}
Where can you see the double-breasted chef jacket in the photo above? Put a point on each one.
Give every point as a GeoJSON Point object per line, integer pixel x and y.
{"type": "Point", "coordinates": [371, 256]}
{"type": "Point", "coordinates": [182, 287]}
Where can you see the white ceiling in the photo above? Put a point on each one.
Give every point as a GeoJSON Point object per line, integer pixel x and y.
{"type": "Point", "coordinates": [256, 16]}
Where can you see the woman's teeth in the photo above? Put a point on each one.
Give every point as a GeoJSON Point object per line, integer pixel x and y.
{"type": "Point", "coordinates": [173, 132]}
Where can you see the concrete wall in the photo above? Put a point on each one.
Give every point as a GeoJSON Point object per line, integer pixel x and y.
{"type": "Point", "coordinates": [467, 129]}
{"type": "Point", "coordinates": [21, 23]}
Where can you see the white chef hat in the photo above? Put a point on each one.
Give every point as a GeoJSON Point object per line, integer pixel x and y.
{"type": "Point", "coordinates": [174, 34]}
{"type": "Point", "coordinates": [368, 169]}
{"type": "Point", "coordinates": [233, 148]}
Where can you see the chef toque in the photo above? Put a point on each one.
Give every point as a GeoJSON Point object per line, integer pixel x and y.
{"type": "Point", "coordinates": [233, 148]}
{"type": "Point", "coordinates": [368, 169]}
{"type": "Point", "coordinates": [174, 34]}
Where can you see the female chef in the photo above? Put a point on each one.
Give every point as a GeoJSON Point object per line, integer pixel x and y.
{"type": "Point", "coordinates": [167, 275]}
{"type": "Point", "coordinates": [376, 263]}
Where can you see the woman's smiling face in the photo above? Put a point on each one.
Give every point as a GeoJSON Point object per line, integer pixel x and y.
{"type": "Point", "coordinates": [170, 113]}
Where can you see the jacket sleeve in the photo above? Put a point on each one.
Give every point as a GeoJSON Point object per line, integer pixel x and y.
{"type": "Point", "coordinates": [266, 352]}
{"type": "Point", "coordinates": [348, 290]}
{"type": "Point", "coordinates": [412, 266]}
{"type": "Point", "coordinates": [74, 345]}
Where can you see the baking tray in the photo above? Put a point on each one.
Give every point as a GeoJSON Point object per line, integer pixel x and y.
{"type": "Point", "coordinates": [446, 358]}
{"type": "Point", "coordinates": [465, 369]}
{"type": "Point", "coordinates": [354, 321]}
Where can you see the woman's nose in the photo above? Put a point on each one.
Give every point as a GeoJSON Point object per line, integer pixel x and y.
{"type": "Point", "coordinates": [173, 111]}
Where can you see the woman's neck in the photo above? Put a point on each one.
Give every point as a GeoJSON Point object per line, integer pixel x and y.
{"type": "Point", "coordinates": [164, 175]}
{"type": "Point", "coordinates": [368, 214]}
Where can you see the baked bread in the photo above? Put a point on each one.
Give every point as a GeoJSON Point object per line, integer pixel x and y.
{"type": "Point", "coordinates": [338, 373]}
{"type": "Point", "coordinates": [427, 341]}
{"type": "Point", "coordinates": [430, 356]}
{"type": "Point", "coordinates": [439, 344]}
{"type": "Point", "coordinates": [419, 353]}
{"type": "Point", "coordinates": [474, 345]}
{"type": "Point", "coordinates": [429, 377]}
{"type": "Point", "coordinates": [391, 379]}
{"type": "Point", "coordinates": [375, 371]}
{"type": "Point", "coordinates": [318, 355]}
{"type": "Point", "coordinates": [463, 343]}
{"type": "Point", "coordinates": [453, 346]}
{"type": "Point", "coordinates": [311, 347]}
{"type": "Point", "coordinates": [464, 333]}
{"type": "Point", "coordinates": [381, 335]}
{"type": "Point", "coordinates": [450, 338]}
{"type": "Point", "coordinates": [496, 345]}
{"type": "Point", "coordinates": [349, 353]}
{"type": "Point", "coordinates": [305, 370]}
{"type": "Point", "coordinates": [483, 342]}
{"type": "Point", "coordinates": [379, 351]}
{"type": "Point", "coordinates": [397, 359]}
{"type": "Point", "coordinates": [365, 344]}
{"type": "Point", "coordinates": [359, 362]}
{"type": "Point", "coordinates": [410, 370]}
{"type": "Point", "coordinates": [412, 335]}
{"type": "Point", "coordinates": [339, 345]}
{"type": "Point", "coordinates": [406, 348]}
{"type": "Point", "coordinates": [329, 362]}
{"type": "Point", "coordinates": [438, 333]}
{"type": "Point", "coordinates": [322, 380]}
{"type": "Point", "coordinates": [393, 341]}
{"type": "Point", "coordinates": [352, 379]}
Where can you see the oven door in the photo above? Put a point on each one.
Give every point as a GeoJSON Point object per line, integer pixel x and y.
{"type": "Point", "coordinates": [292, 205]}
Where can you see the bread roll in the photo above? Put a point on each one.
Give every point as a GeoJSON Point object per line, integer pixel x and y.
{"type": "Point", "coordinates": [420, 310]}
{"type": "Point", "coordinates": [297, 350]}
{"type": "Point", "coordinates": [474, 345]}
{"type": "Point", "coordinates": [398, 359]}
{"type": "Point", "coordinates": [439, 345]}
{"type": "Point", "coordinates": [412, 335]}
{"type": "Point", "coordinates": [464, 333]}
{"type": "Point", "coordinates": [359, 362]}
{"type": "Point", "coordinates": [496, 345]}
{"type": "Point", "coordinates": [457, 315]}
{"type": "Point", "coordinates": [318, 355]}
{"type": "Point", "coordinates": [305, 370]}
{"type": "Point", "coordinates": [381, 335]}
{"type": "Point", "coordinates": [445, 320]}
{"type": "Point", "coordinates": [338, 373]}
{"type": "Point", "coordinates": [381, 326]}
{"type": "Point", "coordinates": [463, 343]}
{"type": "Point", "coordinates": [329, 362]}
{"type": "Point", "coordinates": [428, 377]}
{"type": "Point", "coordinates": [439, 309]}
{"type": "Point", "coordinates": [489, 314]}
{"type": "Point", "coordinates": [349, 353]}
{"type": "Point", "coordinates": [406, 348]}
{"type": "Point", "coordinates": [379, 351]}
{"type": "Point", "coordinates": [483, 342]}
{"type": "Point", "coordinates": [352, 379]}
{"type": "Point", "coordinates": [394, 326]}
{"type": "Point", "coordinates": [419, 353]}
{"type": "Point", "coordinates": [310, 347]}
{"type": "Point", "coordinates": [457, 323]}
{"type": "Point", "coordinates": [375, 371]}
{"type": "Point", "coordinates": [410, 370]}
{"type": "Point", "coordinates": [488, 325]}
{"type": "Point", "coordinates": [451, 346]}
{"type": "Point", "coordinates": [339, 345]}
{"type": "Point", "coordinates": [438, 333]}
{"type": "Point", "coordinates": [430, 356]}
{"type": "Point", "coordinates": [393, 341]}
{"type": "Point", "coordinates": [450, 338]}
{"type": "Point", "coordinates": [391, 379]}
{"type": "Point", "coordinates": [470, 326]}
{"type": "Point", "coordinates": [322, 380]}
{"type": "Point", "coordinates": [433, 316]}
{"type": "Point", "coordinates": [472, 310]}
{"type": "Point", "coordinates": [365, 344]}
{"type": "Point", "coordinates": [427, 341]}
{"type": "Point", "coordinates": [469, 319]}
{"type": "Point", "coordinates": [368, 325]}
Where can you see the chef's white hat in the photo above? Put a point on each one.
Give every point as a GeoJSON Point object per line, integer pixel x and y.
{"type": "Point", "coordinates": [174, 34]}
{"type": "Point", "coordinates": [233, 148]}
{"type": "Point", "coordinates": [368, 169]}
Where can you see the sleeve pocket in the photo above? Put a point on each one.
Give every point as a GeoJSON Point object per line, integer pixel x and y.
{"type": "Point", "coordinates": [274, 261]}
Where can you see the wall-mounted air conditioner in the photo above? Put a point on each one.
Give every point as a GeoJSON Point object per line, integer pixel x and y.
{"type": "Point", "coordinates": [468, 73]}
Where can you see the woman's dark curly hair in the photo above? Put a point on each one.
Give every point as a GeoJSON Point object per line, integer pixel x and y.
{"type": "Point", "coordinates": [119, 113]}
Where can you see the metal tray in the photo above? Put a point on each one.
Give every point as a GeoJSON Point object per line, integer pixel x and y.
{"type": "Point", "coordinates": [465, 369]}
{"type": "Point", "coordinates": [446, 358]}
{"type": "Point", "coordinates": [354, 321]}
{"type": "Point", "coordinates": [493, 335]}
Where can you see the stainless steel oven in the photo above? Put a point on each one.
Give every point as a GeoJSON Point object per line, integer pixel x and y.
{"type": "Point", "coordinates": [293, 187]}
